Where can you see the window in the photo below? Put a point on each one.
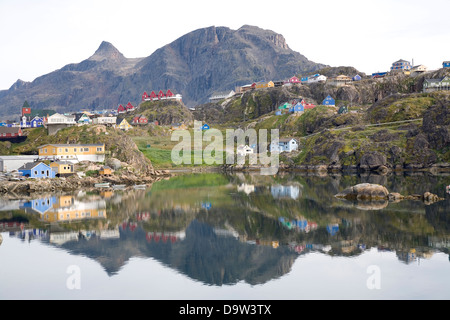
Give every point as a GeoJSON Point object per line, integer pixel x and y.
{"type": "Point", "coordinates": [66, 150]}
{"type": "Point", "coordinates": [45, 150]}
{"type": "Point", "coordinates": [99, 149]}
{"type": "Point", "coordinates": [86, 149]}
{"type": "Point", "coordinates": [74, 149]}
{"type": "Point", "coordinates": [54, 150]}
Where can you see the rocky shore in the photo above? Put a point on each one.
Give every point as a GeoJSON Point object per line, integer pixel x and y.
{"type": "Point", "coordinates": [74, 182]}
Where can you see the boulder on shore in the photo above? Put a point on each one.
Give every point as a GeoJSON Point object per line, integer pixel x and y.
{"type": "Point", "coordinates": [364, 191]}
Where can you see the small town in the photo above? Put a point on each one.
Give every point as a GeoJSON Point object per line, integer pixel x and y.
{"type": "Point", "coordinates": [283, 162]}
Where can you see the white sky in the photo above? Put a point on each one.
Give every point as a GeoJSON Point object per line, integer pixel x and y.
{"type": "Point", "coordinates": [41, 36]}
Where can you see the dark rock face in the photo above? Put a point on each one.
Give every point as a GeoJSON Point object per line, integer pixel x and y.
{"type": "Point", "coordinates": [196, 65]}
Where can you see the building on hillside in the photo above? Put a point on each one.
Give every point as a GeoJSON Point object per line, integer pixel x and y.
{"type": "Point", "coordinates": [123, 124]}
{"type": "Point", "coordinates": [446, 64]}
{"type": "Point", "coordinates": [244, 150]}
{"type": "Point", "coordinates": [121, 109]}
{"type": "Point", "coordinates": [298, 108]}
{"type": "Point", "coordinates": [307, 105]}
{"type": "Point", "coordinates": [38, 170]}
{"type": "Point", "coordinates": [8, 133]}
{"type": "Point", "coordinates": [418, 69]}
{"type": "Point", "coordinates": [37, 122]}
{"type": "Point", "coordinates": [108, 121]}
{"type": "Point", "coordinates": [168, 95]}
{"type": "Point", "coordinates": [401, 66]}
{"type": "Point", "coordinates": [129, 107]}
{"type": "Point", "coordinates": [72, 152]}
{"type": "Point", "coordinates": [140, 120]}
{"type": "Point", "coordinates": [329, 101]}
{"type": "Point", "coordinates": [357, 78]}
{"type": "Point", "coordinates": [105, 171]}
{"type": "Point", "coordinates": [317, 78]}
{"type": "Point", "coordinates": [57, 121]}
{"type": "Point", "coordinates": [264, 84]}
{"type": "Point", "coordinates": [284, 145]}
{"type": "Point", "coordinates": [11, 163]}
{"type": "Point", "coordinates": [378, 75]}
{"type": "Point", "coordinates": [343, 110]}
{"type": "Point", "coordinates": [216, 97]}
{"type": "Point", "coordinates": [341, 80]}
{"type": "Point", "coordinates": [62, 168]}
{"type": "Point", "coordinates": [294, 80]}
{"type": "Point", "coordinates": [82, 119]}
{"type": "Point", "coordinates": [430, 85]}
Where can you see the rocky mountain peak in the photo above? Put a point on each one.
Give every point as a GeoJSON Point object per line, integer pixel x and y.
{"type": "Point", "coordinates": [107, 51]}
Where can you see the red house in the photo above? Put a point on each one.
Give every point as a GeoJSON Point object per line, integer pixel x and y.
{"type": "Point", "coordinates": [307, 105]}
{"type": "Point", "coordinates": [153, 95]}
{"type": "Point", "coordinates": [169, 94]}
{"type": "Point", "coordinates": [140, 120]}
{"type": "Point", "coordinates": [294, 80]}
{"type": "Point", "coordinates": [144, 96]}
{"type": "Point", "coordinates": [121, 109]}
{"type": "Point", "coordinates": [10, 132]}
{"type": "Point", "coordinates": [161, 94]}
{"type": "Point", "coordinates": [129, 107]}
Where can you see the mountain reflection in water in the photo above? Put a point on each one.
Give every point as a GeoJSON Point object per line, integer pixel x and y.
{"type": "Point", "coordinates": [223, 229]}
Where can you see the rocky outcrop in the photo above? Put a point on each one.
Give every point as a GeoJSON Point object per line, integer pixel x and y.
{"type": "Point", "coordinates": [378, 193]}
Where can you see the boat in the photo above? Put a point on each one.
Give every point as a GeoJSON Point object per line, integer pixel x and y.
{"type": "Point", "coordinates": [140, 186]}
{"type": "Point", "coordinates": [119, 186]}
{"type": "Point", "coordinates": [102, 185]}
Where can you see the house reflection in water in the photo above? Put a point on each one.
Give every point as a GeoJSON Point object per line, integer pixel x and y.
{"type": "Point", "coordinates": [66, 208]}
{"type": "Point", "coordinates": [280, 191]}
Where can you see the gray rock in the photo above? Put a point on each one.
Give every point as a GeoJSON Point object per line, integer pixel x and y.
{"type": "Point", "coordinates": [364, 191]}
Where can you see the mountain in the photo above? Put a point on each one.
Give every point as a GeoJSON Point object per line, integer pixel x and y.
{"type": "Point", "coordinates": [196, 65]}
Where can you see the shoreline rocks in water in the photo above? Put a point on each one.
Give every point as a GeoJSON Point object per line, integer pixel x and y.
{"type": "Point", "coordinates": [75, 182]}
{"type": "Point", "coordinates": [376, 192]}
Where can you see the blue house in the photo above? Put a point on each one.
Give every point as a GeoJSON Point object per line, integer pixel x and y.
{"type": "Point", "coordinates": [298, 108]}
{"type": "Point", "coordinates": [37, 170]}
{"type": "Point", "coordinates": [205, 127]}
{"type": "Point", "coordinates": [328, 101]}
{"type": "Point", "coordinates": [40, 205]}
{"type": "Point", "coordinates": [356, 78]}
{"type": "Point", "coordinates": [37, 122]}
{"type": "Point", "coordinates": [446, 64]}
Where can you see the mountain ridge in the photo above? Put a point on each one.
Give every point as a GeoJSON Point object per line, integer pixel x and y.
{"type": "Point", "coordinates": [196, 64]}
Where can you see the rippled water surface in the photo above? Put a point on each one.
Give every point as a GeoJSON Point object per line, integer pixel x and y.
{"type": "Point", "coordinates": [213, 236]}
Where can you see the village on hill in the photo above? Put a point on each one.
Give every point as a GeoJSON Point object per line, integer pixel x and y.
{"type": "Point", "coordinates": [57, 160]}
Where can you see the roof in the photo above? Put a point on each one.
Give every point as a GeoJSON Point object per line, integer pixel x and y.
{"type": "Point", "coordinates": [61, 163]}
{"type": "Point", "coordinates": [72, 145]}
{"type": "Point", "coordinates": [9, 129]}
{"type": "Point", "coordinates": [30, 165]}
{"type": "Point", "coordinates": [286, 139]}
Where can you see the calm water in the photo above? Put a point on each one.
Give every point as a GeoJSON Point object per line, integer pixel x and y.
{"type": "Point", "coordinates": [212, 236]}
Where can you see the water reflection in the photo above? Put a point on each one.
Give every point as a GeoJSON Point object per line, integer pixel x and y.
{"type": "Point", "coordinates": [223, 229]}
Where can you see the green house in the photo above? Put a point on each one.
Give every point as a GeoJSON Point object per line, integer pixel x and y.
{"type": "Point", "coordinates": [430, 85]}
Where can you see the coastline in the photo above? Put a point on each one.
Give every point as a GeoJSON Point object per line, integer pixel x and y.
{"type": "Point", "coordinates": [74, 182]}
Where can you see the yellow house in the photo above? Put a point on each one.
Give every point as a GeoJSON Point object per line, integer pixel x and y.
{"type": "Point", "coordinates": [72, 152]}
{"type": "Point", "coordinates": [269, 84]}
{"type": "Point", "coordinates": [62, 168]}
{"type": "Point", "coordinates": [124, 125]}
{"type": "Point", "coordinates": [105, 170]}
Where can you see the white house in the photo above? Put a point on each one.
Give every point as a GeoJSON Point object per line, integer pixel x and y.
{"type": "Point", "coordinates": [284, 145]}
{"type": "Point", "coordinates": [244, 150]}
{"type": "Point", "coordinates": [221, 95]}
{"type": "Point", "coordinates": [105, 120]}
{"type": "Point", "coordinates": [317, 78]}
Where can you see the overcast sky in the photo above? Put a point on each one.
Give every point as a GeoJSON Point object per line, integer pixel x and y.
{"type": "Point", "coordinates": [41, 36]}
